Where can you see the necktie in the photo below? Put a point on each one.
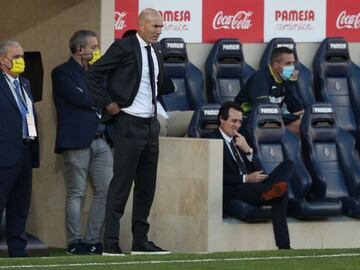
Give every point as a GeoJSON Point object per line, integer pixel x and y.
{"type": "Point", "coordinates": [238, 159]}
{"type": "Point", "coordinates": [22, 107]}
{"type": "Point", "coordinates": [152, 77]}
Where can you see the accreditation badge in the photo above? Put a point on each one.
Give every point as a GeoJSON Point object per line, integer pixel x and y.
{"type": "Point", "coordinates": [30, 120]}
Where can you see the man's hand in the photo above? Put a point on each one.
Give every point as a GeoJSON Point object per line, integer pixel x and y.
{"type": "Point", "coordinates": [241, 142]}
{"type": "Point", "coordinates": [113, 108]}
{"type": "Point", "coordinates": [255, 177]}
{"type": "Point", "coordinates": [294, 75]}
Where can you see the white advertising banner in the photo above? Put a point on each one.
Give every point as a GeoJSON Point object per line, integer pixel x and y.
{"type": "Point", "coordinates": [182, 18]}
{"type": "Point", "coordinates": [302, 20]}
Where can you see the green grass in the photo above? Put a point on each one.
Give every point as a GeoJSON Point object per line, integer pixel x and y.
{"type": "Point", "coordinates": [264, 260]}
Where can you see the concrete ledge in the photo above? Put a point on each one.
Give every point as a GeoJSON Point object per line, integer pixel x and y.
{"type": "Point", "coordinates": [187, 212]}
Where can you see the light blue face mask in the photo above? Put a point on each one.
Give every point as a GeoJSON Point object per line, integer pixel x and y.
{"type": "Point", "coordinates": [287, 71]}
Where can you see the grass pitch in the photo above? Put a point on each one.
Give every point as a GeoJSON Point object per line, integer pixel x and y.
{"type": "Point", "coordinates": [293, 259]}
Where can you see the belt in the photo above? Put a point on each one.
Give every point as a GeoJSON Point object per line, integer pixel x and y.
{"type": "Point", "coordinates": [98, 135]}
{"type": "Point", "coordinates": [27, 141]}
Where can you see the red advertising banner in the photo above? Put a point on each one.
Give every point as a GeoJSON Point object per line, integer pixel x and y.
{"type": "Point", "coordinates": [243, 19]}
{"type": "Point", "coordinates": [126, 13]}
{"type": "Point", "coordinates": [343, 19]}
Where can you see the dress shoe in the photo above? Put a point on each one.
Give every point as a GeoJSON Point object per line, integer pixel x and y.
{"type": "Point", "coordinates": [276, 191]}
{"type": "Point", "coordinates": [112, 251]}
{"type": "Point", "coordinates": [147, 247]}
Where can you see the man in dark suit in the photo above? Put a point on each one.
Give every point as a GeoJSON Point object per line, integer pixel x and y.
{"type": "Point", "coordinates": [241, 181]}
{"type": "Point", "coordinates": [80, 139]}
{"type": "Point", "coordinates": [135, 76]}
{"type": "Point", "coordinates": [19, 147]}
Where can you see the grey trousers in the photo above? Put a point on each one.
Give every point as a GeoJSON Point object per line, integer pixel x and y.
{"type": "Point", "coordinates": [177, 124]}
{"type": "Point", "coordinates": [96, 164]}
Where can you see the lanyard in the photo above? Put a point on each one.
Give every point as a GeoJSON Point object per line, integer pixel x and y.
{"type": "Point", "coordinates": [20, 94]}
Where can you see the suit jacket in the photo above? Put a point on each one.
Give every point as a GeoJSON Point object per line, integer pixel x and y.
{"type": "Point", "coordinates": [231, 175]}
{"type": "Point", "coordinates": [11, 136]}
{"type": "Point", "coordinates": [77, 121]}
{"type": "Point", "coordinates": [122, 66]}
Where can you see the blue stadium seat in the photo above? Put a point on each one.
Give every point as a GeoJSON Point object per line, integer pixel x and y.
{"type": "Point", "coordinates": [336, 80]}
{"type": "Point", "coordinates": [187, 78]}
{"type": "Point", "coordinates": [305, 76]}
{"type": "Point", "coordinates": [330, 158]}
{"type": "Point", "coordinates": [204, 120]}
{"type": "Point", "coordinates": [274, 144]}
{"type": "Point", "coordinates": [226, 71]}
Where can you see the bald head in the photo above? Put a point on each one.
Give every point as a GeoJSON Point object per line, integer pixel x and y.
{"type": "Point", "coordinates": [150, 25]}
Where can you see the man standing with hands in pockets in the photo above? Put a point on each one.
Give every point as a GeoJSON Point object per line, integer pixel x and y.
{"type": "Point", "coordinates": [134, 73]}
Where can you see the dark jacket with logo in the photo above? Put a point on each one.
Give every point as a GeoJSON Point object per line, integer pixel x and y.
{"type": "Point", "coordinates": [262, 87]}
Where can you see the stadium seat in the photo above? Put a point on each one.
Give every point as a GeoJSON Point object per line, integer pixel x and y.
{"type": "Point", "coordinates": [336, 80]}
{"type": "Point", "coordinates": [330, 158]}
{"type": "Point", "coordinates": [187, 78]}
{"type": "Point", "coordinates": [204, 120]}
{"type": "Point", "coordinates": [226, 71]}
{"type": "Point", "coordinates": [305, 77]}
{"type": "Point", "coordinates": [274, 144]}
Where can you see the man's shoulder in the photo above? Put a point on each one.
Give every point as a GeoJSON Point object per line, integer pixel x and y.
{"type": "Point", "coordinates": [63, 67]}
{"type": "Point", "coordinates": [215, 134]}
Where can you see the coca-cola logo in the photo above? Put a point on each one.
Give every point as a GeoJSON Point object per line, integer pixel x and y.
{"type": "Point", "coordinates": [176, 15]}
{"type": "Point", "coordinates": [348, 21]}
{"type": "Point", "coordinates": [241, 20]}
{"type": "Point", "coordinates": [119, 20]}
{"type": "Point", "coordinates": [294, 15]}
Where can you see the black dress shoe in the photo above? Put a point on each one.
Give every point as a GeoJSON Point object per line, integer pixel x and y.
{"type": "Point", "coordinates": [112, 251]}
{"type": "Point", "coordinates": [147, 247]}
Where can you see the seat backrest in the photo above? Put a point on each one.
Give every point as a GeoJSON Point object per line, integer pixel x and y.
{"type": "Point", "coordinates": [187, 78]}
{"type": "Point", "coordinates": [204, 121]}
{"type": "Point", "coordinates": [226, 71]}
{"type": "Point", "coordinates": [336, 81]}
{"type": "Point", "coordinates": [319, 135]}
{"type": "Point", "coordinates": [304, 82]}
{"type": "Point", "coordinates": [274, 144]}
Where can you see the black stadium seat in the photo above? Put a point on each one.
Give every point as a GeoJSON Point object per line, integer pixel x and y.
{"type": "Point", "coordinates": [336, 80]}
{"type": "Point", "coordinates": [187, 78]}
{"type": "Point", "coordinates": [204, 120]}
{"type": "Point", "coordinates": [274, 144]}
{"type": "Point", "coordinates": [226, 71]}
{"type": "Point", "coordinates": [330, 158]}
{"type": "Point", "coordinates": [305, 76]}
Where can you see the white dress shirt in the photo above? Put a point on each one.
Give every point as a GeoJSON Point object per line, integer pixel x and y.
{"type": "Point", "coordinates": [142, 105]}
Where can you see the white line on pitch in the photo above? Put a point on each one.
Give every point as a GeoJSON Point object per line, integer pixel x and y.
{"type": "Point", "coordinates": [180, 261]}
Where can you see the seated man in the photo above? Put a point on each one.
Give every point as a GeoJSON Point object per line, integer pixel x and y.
{"type": "Point", "coordinates": [243, 182]}
{"type": "Point", "coordinates": [278, 85]}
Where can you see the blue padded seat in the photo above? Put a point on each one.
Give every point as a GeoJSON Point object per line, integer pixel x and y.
{"type": "Point", "coordinates": [304, 82]}
{"type": "Point", "coordinates": [336, 80]}
{"type": "Point", "coordinates": [226, 71]}
{"type": "Point", "coordinates": [204, 120]}
{"type": "Point", "coordinates": [187, 78]}
{"type": "Point", "coordinates": [274, 144]}
{"type": "Point", "coordinates": [330, 158]}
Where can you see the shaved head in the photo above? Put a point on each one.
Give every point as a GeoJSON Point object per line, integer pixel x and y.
{"type": "Point", "coordinates": [150, 25]}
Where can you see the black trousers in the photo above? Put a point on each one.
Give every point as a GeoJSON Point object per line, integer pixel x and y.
{"type": "Point", "coordinates": [251, 193]}
{"type": "Point", "coordinates": [15, 196]}
{"type": "Point", "coordinates": [136, 152]}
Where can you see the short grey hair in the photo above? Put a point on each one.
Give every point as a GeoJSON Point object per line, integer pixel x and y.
{"type": "Point", "coordinates": [4, 46]}
{"type": "Point", "coordinates": [79, 39]}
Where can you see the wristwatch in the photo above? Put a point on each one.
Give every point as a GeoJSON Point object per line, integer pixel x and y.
{"type": "Point", "coordinates": [249, 152]}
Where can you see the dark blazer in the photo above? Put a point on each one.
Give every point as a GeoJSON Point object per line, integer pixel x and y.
{"type": "Point", "coordinates": [77, 120]}
{"type": "Point", "coordinates": [11, 141]}
{"type": "Point", "coordinates": [231, 175]}
{"type": "Point", "coordinates": [122, 64]}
